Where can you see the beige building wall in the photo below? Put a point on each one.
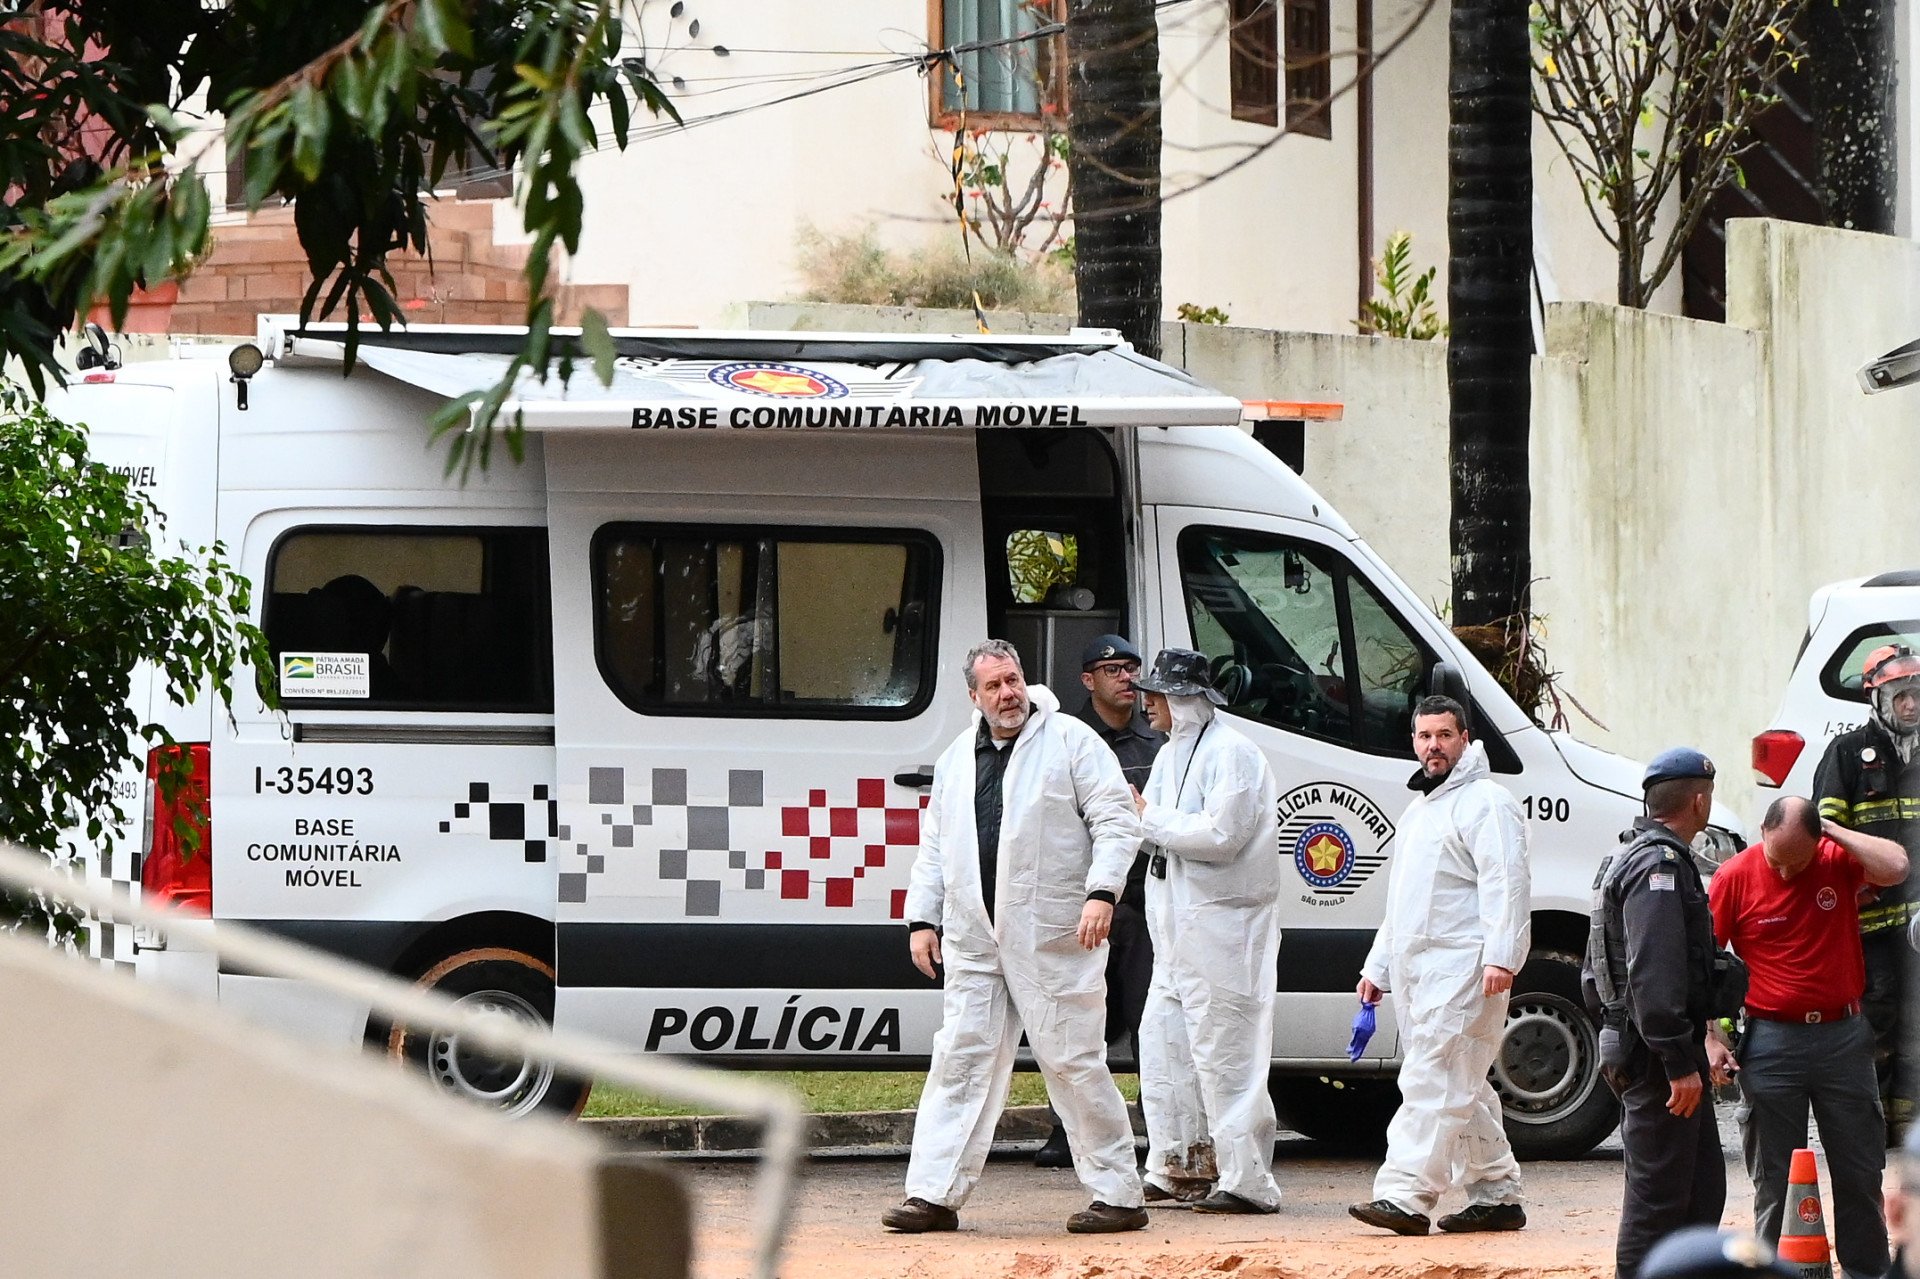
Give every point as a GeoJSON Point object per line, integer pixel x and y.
{"type": "Point", "coordinates": [695, 220]}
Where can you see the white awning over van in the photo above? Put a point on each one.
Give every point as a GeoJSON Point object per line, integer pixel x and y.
{"type": "Point", "coordinates": [746, 381]}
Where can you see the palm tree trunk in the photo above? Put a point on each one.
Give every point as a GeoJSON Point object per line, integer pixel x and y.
{"type": "Point", "coordinates": [1850, 52]}
{"type": "Point", "coordinates": [1113, 90]}
{"type": "Point", "coordinates": [1490, 248]}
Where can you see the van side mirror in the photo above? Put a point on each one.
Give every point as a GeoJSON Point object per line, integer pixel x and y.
{"type": "Point", "coordinates": [1447, 680]}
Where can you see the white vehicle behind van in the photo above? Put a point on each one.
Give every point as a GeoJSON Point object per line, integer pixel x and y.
{"type": "Point", "coordinates": [634, 735]}
{"type": "Point", "coordinates": [1823, 698]}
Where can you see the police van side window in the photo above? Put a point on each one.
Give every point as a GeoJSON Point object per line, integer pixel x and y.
{"type": "Point", "coordinates": [1299, 642]}
{"type": "Point", "coordinates": [800, 623]}
{"type": "Point", "coordinates": [429, 618]}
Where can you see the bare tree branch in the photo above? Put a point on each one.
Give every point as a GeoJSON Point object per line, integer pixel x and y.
{"type": "Point", "coordinates": [1647, 98]}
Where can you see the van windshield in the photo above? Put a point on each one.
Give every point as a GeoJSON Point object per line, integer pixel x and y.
{"type": "Point", "coordinates": [1299, 641]}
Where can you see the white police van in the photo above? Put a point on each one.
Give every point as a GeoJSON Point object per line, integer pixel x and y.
{"type": "Point", "coordinates": [635, 734]}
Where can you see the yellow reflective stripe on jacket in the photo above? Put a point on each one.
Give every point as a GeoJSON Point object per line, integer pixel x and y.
{"type": "Point", "coordinates": [1895, 808]}
{"type": "Point", "coordinates": [1884, 915]}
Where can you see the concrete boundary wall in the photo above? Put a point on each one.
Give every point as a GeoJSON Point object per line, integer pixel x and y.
{"type": "Point", "coordinates": [1692, 482]}
{"type": "Point", "coordinates": [149, 1136]}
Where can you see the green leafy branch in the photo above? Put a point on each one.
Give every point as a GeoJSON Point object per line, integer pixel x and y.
{"type": "Point", "coordinates": [92, 593]}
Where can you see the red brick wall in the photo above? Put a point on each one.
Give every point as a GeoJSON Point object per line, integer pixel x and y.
{"type": "Point", "coordinates": [257, 268]}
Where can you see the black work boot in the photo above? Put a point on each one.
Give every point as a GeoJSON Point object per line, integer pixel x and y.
{"type": "Point", "coordinates": [1056, 1153]}
{"type": "Point", "coordinates": [1389, 1215]}
{"type": "Point", "coordinates": [1225, 1201]}
{"type": "Point", "coordinates": [918, 1217]}
{"type": "Point", "coordinates": [1484, 1217]}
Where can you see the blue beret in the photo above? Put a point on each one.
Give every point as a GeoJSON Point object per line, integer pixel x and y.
{"type": "Point", "coordinates": [1681, 761]}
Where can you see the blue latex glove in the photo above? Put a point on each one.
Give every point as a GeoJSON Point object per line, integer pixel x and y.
{"type": "Point", "coordinates": [1363, 1023]}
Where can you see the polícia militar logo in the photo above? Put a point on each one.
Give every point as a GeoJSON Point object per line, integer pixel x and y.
{"type": "Point", "coordinates": [1323, 853]}
{"type": "Point", "coordinates": [776, 381]}
{"type": "Point", "coordinates": [1337, 836]}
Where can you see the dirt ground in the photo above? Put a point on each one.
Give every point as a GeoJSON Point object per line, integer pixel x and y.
{"type": "Point", "coordinates": [1012, 1227]}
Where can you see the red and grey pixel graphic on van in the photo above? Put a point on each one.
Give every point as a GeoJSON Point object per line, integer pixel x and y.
{"type": "Point", "coordinates": [824, 849]}
{"type": "Point", "coordinates": [529, 823]}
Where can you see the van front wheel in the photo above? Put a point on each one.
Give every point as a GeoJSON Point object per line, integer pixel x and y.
{"type": "Point", "coordinates": [499, 980]}
{"type": "Point", "coordinates": [1548, 1071]}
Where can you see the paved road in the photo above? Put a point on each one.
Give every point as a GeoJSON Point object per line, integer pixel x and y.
{"type": "Point", "coordinates": [1012, 1227]}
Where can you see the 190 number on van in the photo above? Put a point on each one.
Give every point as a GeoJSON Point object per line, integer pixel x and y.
{"type": "Point", "coordinates": [309, 781]}
{"type": "Point", "coordinates": [1546, 808]}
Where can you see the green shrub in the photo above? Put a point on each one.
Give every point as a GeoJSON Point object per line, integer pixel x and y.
{"type": "Point", "coordinates": [856, 268]}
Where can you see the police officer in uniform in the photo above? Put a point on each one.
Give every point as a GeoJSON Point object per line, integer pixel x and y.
{"type": "Point", "coordinates": [1108, 665]}
{"type": "Point", "coordinates": [1869, 781]}
{"type": "Point", "coordinates": [1649, 973]}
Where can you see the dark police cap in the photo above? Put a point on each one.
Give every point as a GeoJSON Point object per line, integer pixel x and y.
{"type": "Point", "coordinates": [1108, 648]}
{"type": "Point", "coordinates": [1671, 765]}
{"type": "Point", "coordinates": [1704, 1252]}
{"type": "Point", "coordinates": [1181, 672]}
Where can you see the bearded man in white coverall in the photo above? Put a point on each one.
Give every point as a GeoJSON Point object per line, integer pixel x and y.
{"type": "Point", "coordinates": [1213, 888]}
{"type": "Point", "coordinates": [1457, 929]}
{"type": "Point", "coordinates": [1024, 848]}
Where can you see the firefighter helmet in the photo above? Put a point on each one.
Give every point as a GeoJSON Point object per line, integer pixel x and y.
{"type": "Point", "coordinates": [1887, 664]}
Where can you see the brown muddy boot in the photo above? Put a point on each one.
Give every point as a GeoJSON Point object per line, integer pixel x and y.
{"type": "Point", "coordinates": [918, 1217]}
{"type": "Point", "coordinates": [1105, 1219]}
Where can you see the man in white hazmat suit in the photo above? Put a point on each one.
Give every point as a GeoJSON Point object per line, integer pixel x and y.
{"type": "Point", "coordinates": [1211, 816]}
{"type": "Point", "coordinates": [1457, 930]}
{"type": "Point", "coordinates": [1024, 847]}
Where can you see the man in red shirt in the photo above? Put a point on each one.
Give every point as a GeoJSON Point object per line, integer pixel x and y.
{"type": "Point", "coordinates": [1789, 907]}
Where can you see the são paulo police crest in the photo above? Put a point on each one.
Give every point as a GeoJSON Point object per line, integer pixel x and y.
{"type": "Point", "coordinates": [765, 377]}
{"type": "Point", "coordinates": [1336, 838]}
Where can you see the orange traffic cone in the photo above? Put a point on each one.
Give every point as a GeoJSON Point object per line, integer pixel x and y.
{"type": "Point", "coordinates": [1803, 1226]}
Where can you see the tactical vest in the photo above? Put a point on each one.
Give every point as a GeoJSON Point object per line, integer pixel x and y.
{"type": "Point", "coordinates": [1607, 944]}
{"type": "Point", "coordinates": [1717, 980]}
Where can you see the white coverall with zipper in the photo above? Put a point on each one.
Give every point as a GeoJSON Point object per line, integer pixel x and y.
{"type": "Point", "coordinates": [1206, 1037]}
{"type": "Point", "coordinates": [1069, 828]}
{"type": "Point", "coordinates": [1457, 902]}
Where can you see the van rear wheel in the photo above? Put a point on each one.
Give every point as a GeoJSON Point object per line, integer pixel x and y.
{"type": "Point", "coordinates": [1548, 1070]}
{"type": "Point", "coordinates": [516, 985]}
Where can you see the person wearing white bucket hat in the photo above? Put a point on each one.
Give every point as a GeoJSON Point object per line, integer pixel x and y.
{"type": "Point", "coordinates": [1211, 813]}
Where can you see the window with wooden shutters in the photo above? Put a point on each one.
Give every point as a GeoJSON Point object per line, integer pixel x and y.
{"type": "Point", "coordinates": [1010, 73]}
{"type": "Point", "coordinates": [1253, 69]}
{"type": "Point", "coordinates": [1309, 67]}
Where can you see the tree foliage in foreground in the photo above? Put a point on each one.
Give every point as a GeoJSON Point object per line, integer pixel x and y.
{"type": "Point", "coordinates": [89, 591]}
{"type": "Point", "coordinates": [350, 111]}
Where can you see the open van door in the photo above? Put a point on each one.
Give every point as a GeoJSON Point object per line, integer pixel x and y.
{"type": "Point", "coordinates": [765, 663]}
